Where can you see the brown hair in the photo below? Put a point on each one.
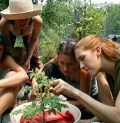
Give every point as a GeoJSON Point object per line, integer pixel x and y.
{"type": "Point", "coordinates": [20, 55]}
{"type": "Point", "coordinates": [110, 49]}
{"type": "Point", "coordinates": [67, 47]}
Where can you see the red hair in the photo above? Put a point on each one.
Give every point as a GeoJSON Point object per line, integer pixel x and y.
{"type": "Point", "coordinates": [110, 49]}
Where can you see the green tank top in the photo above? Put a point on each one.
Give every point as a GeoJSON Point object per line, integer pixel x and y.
{"type": "Point", "coordinates": [116, 84]}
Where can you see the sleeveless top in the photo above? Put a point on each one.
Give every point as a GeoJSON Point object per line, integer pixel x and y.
{"type": "Point", "coordinates": [11, 29]}
{"type": "Point", "coordinates": [115, 86]}
{"type": "Point", "coordinates": [28, 34]}
{"type": "Point", "coordinates": [20, 34]}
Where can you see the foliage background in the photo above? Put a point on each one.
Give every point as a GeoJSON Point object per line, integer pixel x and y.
{"type": "Point", "coordinates": [73, 19]}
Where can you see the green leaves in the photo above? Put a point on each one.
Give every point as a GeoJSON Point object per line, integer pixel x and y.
{"type": "Point", "coordinates": [54, 103]}
{"type": "Point", "coordinates": [29, 111]}
{"type": "Point", "coordinates": [44, 101]}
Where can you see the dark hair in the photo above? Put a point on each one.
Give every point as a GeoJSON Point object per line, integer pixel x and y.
{"type": "Point", "coordinates": [20, 55]}
{"type": "Point", "coordinates": [2, 43]}
{"type": "Point", "coordinates": [12, 22]}
{"type": "Point", "coordinates": [67, 47]}
{"type": "Point", "coordinates": [1, 39]}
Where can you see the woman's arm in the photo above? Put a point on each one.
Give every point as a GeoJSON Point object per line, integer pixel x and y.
{"type": "Point", "coordinates": [85, 86]}
{"type": "Point", "coordinates": [104, 93]}
{"type": "Point", "coordinates": [15, 79]}
{"type": "Point", "coordinates": [76, 103]}
{"type": "Point", "coordinates": [4, 27]}
{"type": "Point", "coordinates": [107, 113]}
{"type": "Point", "coordinates": [37, 25]}
{"type": "Point", "coordinates": [104, 89]}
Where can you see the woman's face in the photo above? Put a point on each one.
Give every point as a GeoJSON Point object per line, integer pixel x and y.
{"type": "Point", "coordinates": [67, 64]}
{"type": "Point", "coordinates": [89, 60]}
{"type": "Point", "coordinates": [1, 50]}
{"type": "Point", "coordinates": [22, 22]}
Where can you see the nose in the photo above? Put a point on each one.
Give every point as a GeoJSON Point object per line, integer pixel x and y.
{"type": "Point", "coordinates": [65, 68]}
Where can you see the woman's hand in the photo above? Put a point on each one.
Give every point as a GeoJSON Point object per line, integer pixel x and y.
{"type": "Point", "coordinates": [61, 87]}
{"type": "Point", "coordinates": [27, 65]}
{"type": "Point", "coordinates": [35, 87]}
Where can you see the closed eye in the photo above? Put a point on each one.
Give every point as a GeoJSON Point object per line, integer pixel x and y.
{"type": "Point", "coordinates": [61, 63]}
{"type": "Point", "coordinates": [81, 58]}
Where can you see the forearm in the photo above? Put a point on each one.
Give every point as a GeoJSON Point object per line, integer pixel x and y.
{"type": "Point", "coordinates": [94, 119]}
{"type": "Point", "coordinates": [31, 49]}
{"type": "Point", "coordinates": [76, 103]}
{"type": "Point", "coordinates": [37, 24]}
{"type": "Point", "coordinates": [14, 80]}
{"type": "Point", "coordinates": [106, 113]}
{"type": "Point", "coordinates": [104, 90]}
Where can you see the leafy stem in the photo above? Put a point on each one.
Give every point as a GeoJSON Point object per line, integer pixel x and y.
{"type": "Point", "coordinates": [44, 100]}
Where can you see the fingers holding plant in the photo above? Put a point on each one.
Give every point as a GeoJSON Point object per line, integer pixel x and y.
{"type": "Point", "coordinates": [58, 86]}
{"type": "Point", "coordinates": [61, 87]}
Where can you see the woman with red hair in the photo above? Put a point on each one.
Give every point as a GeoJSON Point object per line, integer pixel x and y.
{"type": "Point", "coordinates": [96, 54]}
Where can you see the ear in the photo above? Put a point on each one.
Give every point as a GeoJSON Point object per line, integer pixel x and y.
{"type": "Point", "coordinates": [98, 51]}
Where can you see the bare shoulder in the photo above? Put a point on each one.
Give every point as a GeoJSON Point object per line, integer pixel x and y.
{"type": "Point", "coordinates": [4, 23]}
{"type": "Point", "coordinates": [37, 19]}
{"type": "Point", "coordinates": [8, 60]}
{"type": "Point", "coordinates": [3, 20]}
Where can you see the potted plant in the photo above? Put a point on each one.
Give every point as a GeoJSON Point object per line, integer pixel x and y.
{"type": "Point", "coordinates": [46, 107]}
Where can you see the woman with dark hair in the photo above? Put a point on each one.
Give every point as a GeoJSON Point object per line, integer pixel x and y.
{"type": "Point", "coordinates": [96, 54]}
{"type": "Point", "coordinates": [65, 68]}
{"type": "Point", "coordinates": [12, 75]}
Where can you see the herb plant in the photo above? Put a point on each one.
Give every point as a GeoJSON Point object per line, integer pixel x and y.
{"type": "Point", "coordinates": [44, 99]}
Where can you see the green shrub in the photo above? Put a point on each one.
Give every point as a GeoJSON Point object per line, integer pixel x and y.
{"type": "Point", "coordinates": [48, 44]}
